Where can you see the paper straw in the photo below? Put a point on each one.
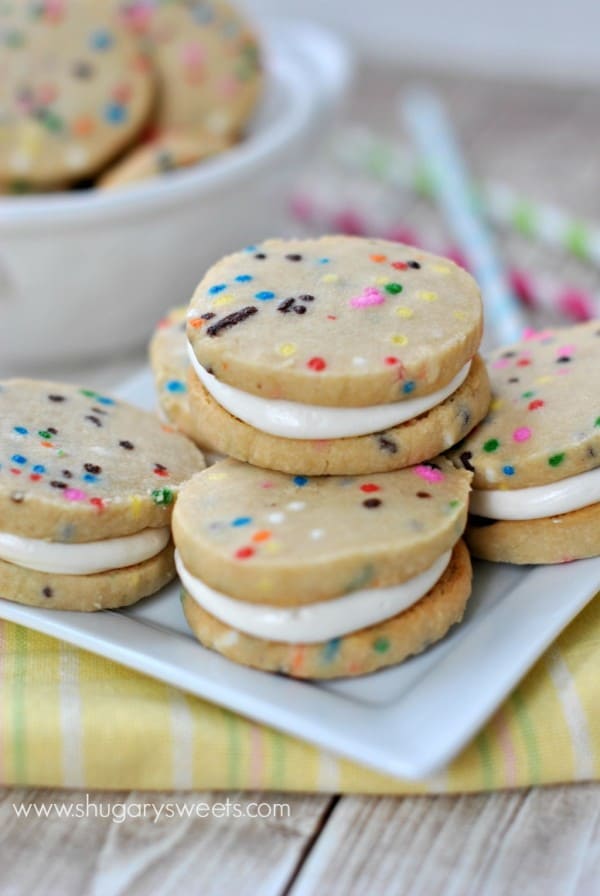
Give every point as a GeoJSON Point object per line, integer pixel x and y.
{"type": "Point", "coordinates": [367, 152]}
{"type": "Point", "coordinates": [539, 292]}
{"type": "Point", "coordinates": [432, 133]}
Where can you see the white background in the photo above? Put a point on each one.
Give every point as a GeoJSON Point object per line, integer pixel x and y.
{"type": "Point", "coordinates": [550, 39]}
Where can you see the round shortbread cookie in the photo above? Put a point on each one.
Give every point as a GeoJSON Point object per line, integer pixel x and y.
{"type": "Point", "coordinates": [170, 364]}
{"type": "Point", "coordinates": [207, 59]}
{"type": "Point", "coordinates": [553, 539]}
{"type": "Point", "coordinates": [75, 90]}
{"type": "Point", "coordinates": [216, 430]}
{"type": "Point", "coordinates": [161, 156]}
{"type": "Point", "coordinates": [101, 591]}
{"type": "Point", "coordinates": [337, 321]}
{"type": "Point", "coordinates": [265, 537]}
{"type": "Point", "coordinates": [358, 653]}
{"type": "Point", "coordinates": [79, 466]}
{"type": "Point", "coordinates": [544, 420]}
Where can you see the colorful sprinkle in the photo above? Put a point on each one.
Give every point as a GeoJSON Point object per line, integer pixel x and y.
{"type": "Point", "coordinates": [316, 364]}
{"type": "Point", "coordinates": [522, 434]}
{"type": "Point", "coordinates": [491, 445]}
{"type": "Point", "coordinates": [556, 459]}
{"type": "Point", "coordinates": [429, 473]}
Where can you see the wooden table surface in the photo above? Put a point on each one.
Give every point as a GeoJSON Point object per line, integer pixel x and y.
{"type": "Point", "coordinates": [542, 140]}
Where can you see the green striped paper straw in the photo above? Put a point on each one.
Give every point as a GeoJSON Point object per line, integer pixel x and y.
{"type": "Point", "coordinates": [363, 150]}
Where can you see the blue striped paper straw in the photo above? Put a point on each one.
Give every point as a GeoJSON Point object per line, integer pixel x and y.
{"type": "Point", "coordinates": [431, 130]}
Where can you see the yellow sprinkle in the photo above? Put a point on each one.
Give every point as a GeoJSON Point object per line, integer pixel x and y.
{"type": "Point", "coordinates": [460, 315]}
{"type": "Point", "coordinates": [542, 380]}
{"type": "Point", "coordinates": [403, 311]}
{"type": "Point", "coordinates": [330, 278]}
{"type": "Point", "coordinates": [497, 404]}
{"type": "Point", "coordinates": [214, 477]}
{"type": "Point", "coordinates": [441, 268]}
{"type": "Point", "coordinates": [381, 281]}
{"type": "Point", "coordinates": [135, 505]}
{"type": "Point", "coordinates": [271, 547]}
{"type": "Point", "coordinates": [286, 349]}
{"type": "Point", "coordinates": [222, 300]}
{"type": "Point", "coordinates": [427, 296]}
{"type": "Point", "coordinates": [398, 339]}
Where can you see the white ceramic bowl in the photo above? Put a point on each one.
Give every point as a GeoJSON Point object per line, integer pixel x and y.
{"type": "Point", "coordinates": [87, 274]}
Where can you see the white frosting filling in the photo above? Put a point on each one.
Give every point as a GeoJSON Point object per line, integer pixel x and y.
{"type": "Point", "coordinates": [85, 558]}
{"type": "Point", "coordinates": [312, 623]}
{"type": "Point", "coordinates": [294, 420]}
{"type": "Point", "coordinates": [538, 501]}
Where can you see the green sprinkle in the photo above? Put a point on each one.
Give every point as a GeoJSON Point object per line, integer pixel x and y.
{"type": "Point", "coordinates": [44, 434]}
{"type": "Point", "coordinates": [381, 645]}
{"type": "Point", "coordinates": [453, 503]}
{"type": "Point", "coordinates": [529, 394]}
{"type": "Point", "coordinates": [162, 496]}
{"type": "Point", "coordinates": [597, 423]}
{"type": "Point", "coordinates": [576, 240]}
{"type": "Point", "coordinates": [556, 460]}
{"type": "Point", "coordinates": [393, 288]}
{"type": "Point", "coordinates": [491, 445]}
{"type": "Point", "coordinates": [88, 393]}
{"type": "Point", "coordinates": [524, 218]}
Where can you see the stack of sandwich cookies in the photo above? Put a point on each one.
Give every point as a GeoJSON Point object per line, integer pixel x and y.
{"type": "Point", "coordinates": [535, 459]}
{"type": "Point", "coordinates": [87, 489]}
{"type": "Point", "coordinates": [322, 577]}
{"type": "Point", "coordinates": [337, 355]}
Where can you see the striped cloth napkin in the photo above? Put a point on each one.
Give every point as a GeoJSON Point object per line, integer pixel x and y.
{"type": "Point", "coordinates": [72, 719]}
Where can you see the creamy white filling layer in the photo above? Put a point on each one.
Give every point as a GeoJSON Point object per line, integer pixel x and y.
{"type": "Point", "coordinates": [85, 558]}
{"type": "Point", "coordinates": [294, 420]}
{"type": "Point", "coordinates": [312, 623]}
{"type": "Point", "coordinates": [538, 501]}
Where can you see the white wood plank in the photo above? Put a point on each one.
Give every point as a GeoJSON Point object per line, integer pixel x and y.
{"type": "Point", "coordinates": [174, 855]}
{"type": "Point", "coordinates": [534, 842]}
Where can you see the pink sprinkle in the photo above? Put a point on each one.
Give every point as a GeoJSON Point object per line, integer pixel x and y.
{"type": "Point", "coordinates": [523, 287]}
{"type": "Point", "coordinates": [349, 222]}
{"type": "Point", "coordinates": [529, 334]}
{"type": "Point", "coordinates": [499, 363]}
{"type": "Point", "coordinates": [522, 434]}
{"type": "Point", "coordinates": [429, 474]}
{"type": "Point", "coordinates": [369, 296]}
{"type": "Point", "coordinates": [73, 494]}
{"type": "Point", "coordinates": [566, 350]}
{"type": "Point", "coordinates": [576, 305]}
{"type": "Point", "coordinates": [266, 484]}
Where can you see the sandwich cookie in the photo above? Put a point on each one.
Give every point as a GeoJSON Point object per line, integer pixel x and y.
{"type": "Point", "coordinates": [207, 60]}
{"type": "Point", "coordinates": [75, 90]}
{"type": "Point", "coordinates": [161, 156]}
{"type": "Point", "coordinates": [87, 487]}
{"type": "Point", "coordinates": [335, 355]}
{"type": "Point", "coordinates": [535, 459]}
{"type": "Point", "coordinates": [322, 577]}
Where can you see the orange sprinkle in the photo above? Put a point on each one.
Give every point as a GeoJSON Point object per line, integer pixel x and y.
{"type": "Point", "coordinates": [83, 126]}
{"type": "Point", "coordinates": [378, 258]}
{"type": "Point", "coordinates": [262, 535]}
{"type": "Point", "coordinates": [298, 658]}
{"type": "Point", "coordinates": [196, 323]}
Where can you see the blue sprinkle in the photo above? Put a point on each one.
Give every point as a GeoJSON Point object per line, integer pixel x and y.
{"type": "Point", "coordinates": [508, 470]}
{"type": "Point", "coordinates": [218, 287]}
{"type": "Point", "coordinates": [101, 40]}
{"type": "Point", "coordinates": [115, 113]}
{"type": "Point", "coordinates": [264, 295]}
{"type": "Point", "coordinates": [242, 521]}
{"type": "Point", "coordinates": [243, 278]}
{"type": "Point", "coordinates": [408, 387]}
{"type": "Point", "coordinates": [331, 649]}
{"type": "Point", "coordinates": [89, 477]}
{"type": "Point", "coordinates": [250, 249]}
{"type": "Point", "coordinates": [323, 261]}
{"type": "Point", "coordinates": [18, 459]}
{"type": "Point", "coordinates": [39, 468]}
{"type": "Point", "coordinates": [103, 400]}
{"type": "Point", "coordinates": [176, 386]}
{"type": "Point", "coordinates": [300, 480]}
{"type": "Point", "coordinates": [21, 430]}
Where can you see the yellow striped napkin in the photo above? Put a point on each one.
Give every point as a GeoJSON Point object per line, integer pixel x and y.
{"type": "Point", "coordinates": [72, 719]}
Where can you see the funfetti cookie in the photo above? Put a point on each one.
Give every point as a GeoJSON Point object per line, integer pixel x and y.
{"type": "Point", "coordinates": [322, 577]}
{"type": "Point", "coordinates": [75, 90]}
{"type": "Point", "coordinates": [208, 63]}
{"type": "Point", "coordinates": [87, 488]}
{"type": "Point", "coordinates": [335, 355]}
{"type": "Point", "coordinates": [170, 364]}
{"type": "Point", "coordinates": [161, 156]}
{"type": "Point", "coordinates": [535, 459]}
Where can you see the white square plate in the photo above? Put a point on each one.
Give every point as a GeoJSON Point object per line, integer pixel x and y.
{"type": "Point", "coordinates": [407, 721]}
